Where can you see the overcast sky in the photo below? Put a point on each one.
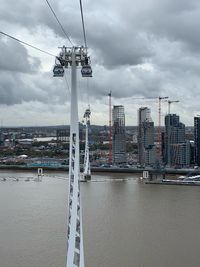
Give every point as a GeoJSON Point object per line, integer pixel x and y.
{"type": "Point", "coordinates": [138, 48]}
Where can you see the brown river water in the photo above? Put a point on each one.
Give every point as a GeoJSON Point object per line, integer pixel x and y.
{"type": "Point", "coordinates": [125, 223]}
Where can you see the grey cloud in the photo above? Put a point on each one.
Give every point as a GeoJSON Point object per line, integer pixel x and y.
{"type": "Point", "coordinates": [13, 90]}
{"type": "Point", "coordinates": [25, 13]}
{"type": "Point", "coordinates": [55, 89]}
{"type": "Point", "coordinates": [113, 29]}
{"type": "Point", "coordinates": [173, 57]}
{"type": "Point", "coordinates": [174, 20]}
{"type": "Point", "coordinates": [122, 36]}
{"type": "Point", "coordinates": [32, 15]}
{"type": "Point", "coordinates": [114, 50]}
{"type": "Point", "coordinates": [117, 43]}
{"type": "Point", "coordinates": [16, 88]}
{"type": "Point", "coordinates": [124, 83]}
{"type": "Point", "coordinates": [14, 57]}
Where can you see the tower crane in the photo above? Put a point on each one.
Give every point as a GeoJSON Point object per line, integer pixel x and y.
{"type": "Point", "coordinates": [160, 98]}
{"type": "Point", "coordinates": [170, 102]}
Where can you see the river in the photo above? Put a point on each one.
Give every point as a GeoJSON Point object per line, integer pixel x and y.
{"type": "Point", "coordinates": [125, 223]}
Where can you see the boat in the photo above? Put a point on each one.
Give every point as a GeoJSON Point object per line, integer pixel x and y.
{"type": "Point", "coordinates": [193, 178]}
{"type": "Point", "coordinates": [182, 177]}
{"type": "Point", "coordinates": [190, 180]}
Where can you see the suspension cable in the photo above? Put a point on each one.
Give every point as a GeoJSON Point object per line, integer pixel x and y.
{"type": "Point", "coordinates": [59, 22]}
{"type": "Point", "coordinates": [83, 24]}
{"type": "Point", "coordinates": [32, 46]}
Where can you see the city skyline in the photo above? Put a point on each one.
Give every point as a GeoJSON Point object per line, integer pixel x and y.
{"type": "Point", "coordinates": [145, 50]}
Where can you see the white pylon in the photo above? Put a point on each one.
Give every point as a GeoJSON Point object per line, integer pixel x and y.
{"type": "Point", "coordinates": [87, 171]}
{"type": "Point", "coordinates": [74, 56]}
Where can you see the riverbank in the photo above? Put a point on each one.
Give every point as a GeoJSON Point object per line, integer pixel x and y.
{"type": "Point", "coordinates": [57, 167]}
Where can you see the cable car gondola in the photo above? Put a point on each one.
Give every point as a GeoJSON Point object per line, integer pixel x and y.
{"type": "Point", "coordinates": [58, 71]}
{"type": "Point", "coordinates": [86, 71]}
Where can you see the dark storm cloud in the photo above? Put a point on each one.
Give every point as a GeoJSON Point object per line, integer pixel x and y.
{"type": "Point", "coordinates": [142, 48]}
{"type": "Point", "coordinates": [16, 88]}
{"type": "Point", "coordinates": [14, 57]}
{"type": "Point", "coordinates": [34, 14]}
{"type": "Point", "coordinates": [116, 43]}
{"type": "Point", "coordinates": [115, 51]}
{"type": "Point", "coordinates": [113, 28]}
{"type": "Point", "coordinates": [136, 82]}
{"type": "Point", "coordinates": [174, 20]}
{"type": "Point", "coordinates": [25, 13]}
{"type": "Point", "coordinates": [13, 90]}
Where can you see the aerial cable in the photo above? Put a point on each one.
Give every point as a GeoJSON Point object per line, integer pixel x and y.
{"type": "Point", "coordinates": [59, 22]}
{"type": "Point", "coordinates": [85, 41]}
{"type": "Point", "coordinates": [83, 24]}
{"type": "Point", "coordinates": [34, 47]}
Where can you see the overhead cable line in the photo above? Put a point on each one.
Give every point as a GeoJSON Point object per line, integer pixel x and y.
{"type": "Point", "coordinates": [85, 41]}
{"type": "Point", "coordinates": [59, 22]}
{"type": "Point", "coordinates": [32, 46]}
{"type": "Point", "coordinates": [83, 24]}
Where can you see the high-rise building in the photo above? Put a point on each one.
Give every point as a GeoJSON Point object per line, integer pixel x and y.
{"type": "Point", "coordinates": [197, 140]}
{"type": "Point", "coordinates": [146, 148]}
{"type": "Point", "coordinates": [1, 139]}
{"type": "Point", "coordinates": [118, 135]}
{"type": "Point", "coordinates": [177, 150]}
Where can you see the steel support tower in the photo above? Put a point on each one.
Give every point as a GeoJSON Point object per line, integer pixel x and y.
{"type": "Point", "coordinates": [72, 57]}
{"type": "Point", "coordinates": [87, 171]}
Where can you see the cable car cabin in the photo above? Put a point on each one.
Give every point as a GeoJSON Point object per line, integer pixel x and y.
{"type": "Point", "coordinates": [86, 71]}
{"type": "Point", "coordinates": [58, 71]}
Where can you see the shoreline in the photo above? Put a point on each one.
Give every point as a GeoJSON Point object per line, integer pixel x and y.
{"type": "Point", "coordinates": [100, 169]}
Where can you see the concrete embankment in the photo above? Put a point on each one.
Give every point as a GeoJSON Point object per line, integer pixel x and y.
{"type": "Point", "coordinates": [26, 168]}
{"type": "Point", "coordinates": [99, 169]}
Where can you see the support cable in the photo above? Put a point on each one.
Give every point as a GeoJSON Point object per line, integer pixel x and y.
{"type": "Point", "coordinates": [83, 24]}
{"type": "Point", "coordinates": [59, 22]}
{"type": "Point", "coordinates": [85, 41]}
{"type": "Point", "coordinates": [32, 46]}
